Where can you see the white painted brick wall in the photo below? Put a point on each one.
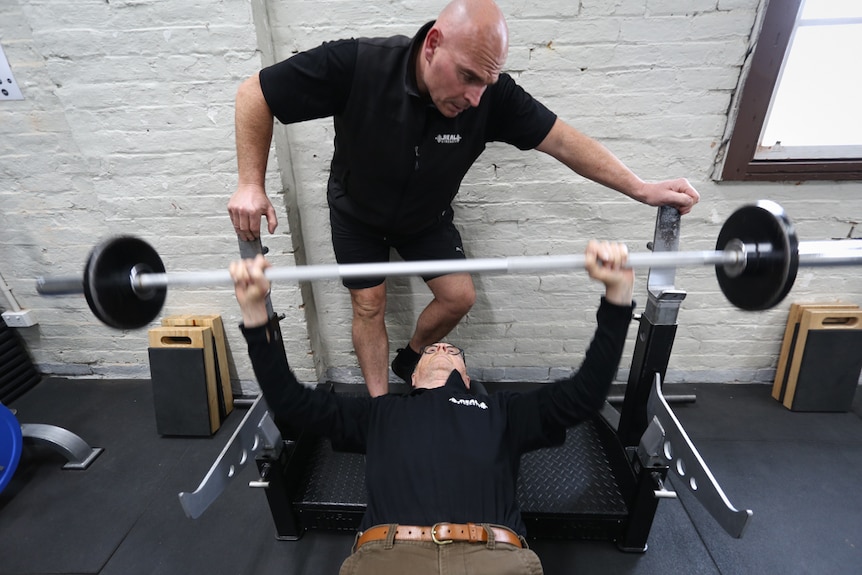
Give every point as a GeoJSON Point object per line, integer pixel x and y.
{"type": "Point", "coordinates": [127, 127]}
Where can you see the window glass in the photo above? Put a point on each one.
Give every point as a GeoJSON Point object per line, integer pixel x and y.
{"type": "Point", "coordinates": [816, 111]}
{"type": "Point", "coordinates": [814, 9]}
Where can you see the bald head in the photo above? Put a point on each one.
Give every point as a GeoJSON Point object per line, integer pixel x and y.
{"type": "Point", "coordinates": [477, 23]}
{"type": "Point", "coordinates": [462, 54]}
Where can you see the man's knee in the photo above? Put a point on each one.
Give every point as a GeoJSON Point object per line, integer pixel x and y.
{"type": "Point", "coordinates": [456, 292]}
{"type": "Point", "coordinates": [368, 303]}
{"type": "Point", "coordinates": [470, 297]}
{"type": "Point", "coordinates": [464, 300]}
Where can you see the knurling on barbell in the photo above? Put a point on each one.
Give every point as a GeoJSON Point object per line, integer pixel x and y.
{"type": "Point", "coordinates": [756, 260]}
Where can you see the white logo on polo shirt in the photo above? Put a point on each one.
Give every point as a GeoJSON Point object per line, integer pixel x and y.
{"type": "Point", "coordinates": [448, 138]}
{"type": "Point", "coordinates": [469, 402]}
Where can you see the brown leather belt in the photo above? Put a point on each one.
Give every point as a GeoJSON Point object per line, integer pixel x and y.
{"type": "Point", "coordinates": [441, 534]}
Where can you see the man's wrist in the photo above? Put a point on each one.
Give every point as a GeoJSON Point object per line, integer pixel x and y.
{"type": "Point", "coordinates": [255, 186]}
{"type": "Point", "coordinates": [255, 316]}
{"type": "Point", "coordinates": [619, 294]}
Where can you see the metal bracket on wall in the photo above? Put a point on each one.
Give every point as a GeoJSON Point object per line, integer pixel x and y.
{"type": "Point", "coordinates": [9, 89]}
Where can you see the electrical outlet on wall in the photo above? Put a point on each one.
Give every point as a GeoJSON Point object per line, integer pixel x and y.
{"type": "Point", "coordinates": [21, 318]}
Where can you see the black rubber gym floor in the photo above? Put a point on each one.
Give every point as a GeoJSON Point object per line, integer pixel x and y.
{"type": "Point", "coordinates": [801, 474]}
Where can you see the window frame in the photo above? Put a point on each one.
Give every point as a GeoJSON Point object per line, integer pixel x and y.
{"type": "Point", "coordinates": [755, 97]}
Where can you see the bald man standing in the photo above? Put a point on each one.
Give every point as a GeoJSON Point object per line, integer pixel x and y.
{"type": "Point", "coordinates": [411, 117]}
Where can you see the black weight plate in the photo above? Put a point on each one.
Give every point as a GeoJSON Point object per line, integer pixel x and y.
{"type": "Point", "coordinates": [11, 443]}
{"type": "Point", "coordinates": [771, 270]}
{"type": "Point", "coordinates": [108, 286]}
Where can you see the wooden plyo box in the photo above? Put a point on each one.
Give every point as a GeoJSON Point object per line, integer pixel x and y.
{"type": "Point", "coordinates": [821, 358]}
{"type": "Point", "coordinates": [183, 374]}
{"type": "Point", "coordinates": [214, 322]}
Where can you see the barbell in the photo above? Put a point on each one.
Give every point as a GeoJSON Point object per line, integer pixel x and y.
{"type": "Point", "coordinates": [756, 258]}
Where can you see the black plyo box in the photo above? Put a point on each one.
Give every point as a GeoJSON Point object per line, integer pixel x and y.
{"type": "Point", "coordinates": [788, 344]}
{"type": "Point", "coordinates": [825, 369]}
{"type": "Point", "coordinates": [185, 391]}
{"type": "Point", "coordinates": [180, 391]}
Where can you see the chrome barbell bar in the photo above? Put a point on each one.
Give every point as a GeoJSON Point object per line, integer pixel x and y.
{"type": "Point", "coordinates": [517, 264]}
{"type": "Point", "coordinates": [814, 253]}
{"type": "Point", "coordinates": [756, 258]}
{"type": "Point", "coordinates": [830, 253]}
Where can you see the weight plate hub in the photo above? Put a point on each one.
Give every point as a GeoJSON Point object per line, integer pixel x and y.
{"type": "Point", "coordinates": [108, 284]}
{"type": "Point", "coordinates": [11, 442]}
{"type": "Point", "coordinates": [772, 261]}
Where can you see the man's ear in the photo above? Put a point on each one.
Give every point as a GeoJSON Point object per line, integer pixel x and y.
{"type": "Point", "coordinates": [432, 42]}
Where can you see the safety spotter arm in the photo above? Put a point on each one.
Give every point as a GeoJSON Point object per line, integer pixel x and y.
{"type": "Point", "coordinates": [257, 433]}
{"type": "Point", "coordinates": [666, 442]}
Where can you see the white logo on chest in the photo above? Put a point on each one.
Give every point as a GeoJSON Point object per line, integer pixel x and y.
{"type": "Point", "coordinates": [448, 138]}
{"type": "Point", "coordinates": [469, 402]}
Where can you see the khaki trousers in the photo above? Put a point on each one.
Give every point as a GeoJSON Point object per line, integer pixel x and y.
{"type": "Point", "coordinates": [392, 557]}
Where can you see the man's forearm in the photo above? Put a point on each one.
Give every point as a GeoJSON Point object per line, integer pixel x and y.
{"type": "Point", "coordinates": [590, 159]}
{"type": "Point", "coordinates": [253, 120]}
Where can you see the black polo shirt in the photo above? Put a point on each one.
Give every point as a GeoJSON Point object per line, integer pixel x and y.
{"type": "Point", "coordinates": [444, 454]}
{"type": "Point", "coordinates": [398, 162]}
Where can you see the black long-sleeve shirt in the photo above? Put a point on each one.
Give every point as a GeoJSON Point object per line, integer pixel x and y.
{"type": "Point", "coordinates": [444, 454]}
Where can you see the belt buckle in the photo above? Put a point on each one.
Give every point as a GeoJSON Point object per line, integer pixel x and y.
{"type": "Point", "coordinates": [434, 536]}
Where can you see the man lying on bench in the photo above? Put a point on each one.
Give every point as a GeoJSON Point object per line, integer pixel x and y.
{"type": "Point", "coordinates": [442, 463]}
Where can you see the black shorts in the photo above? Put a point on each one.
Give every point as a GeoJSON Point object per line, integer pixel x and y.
{"type": "Point", "coordinates": [356, 243]}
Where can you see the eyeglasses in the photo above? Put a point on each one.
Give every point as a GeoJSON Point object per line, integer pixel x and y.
{"type": "Point", "coordinates": [446, 347]}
